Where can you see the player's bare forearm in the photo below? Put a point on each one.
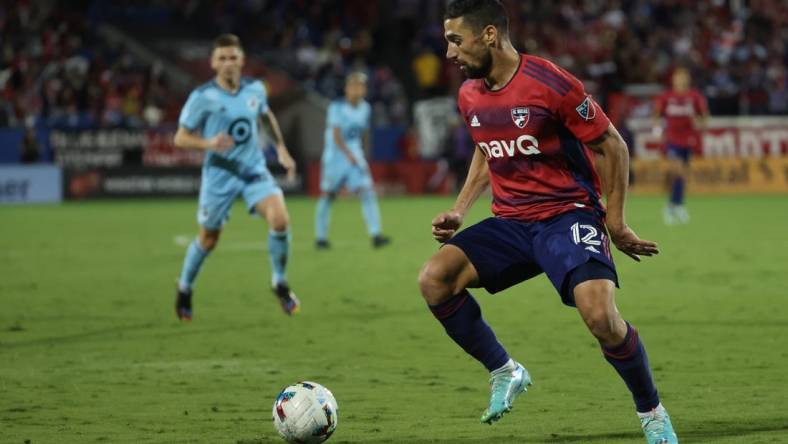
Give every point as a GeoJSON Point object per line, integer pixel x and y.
{"type": "Point", "coordinates": [189, 140]}
{"type": "Point", "coordinates": [446, 224]}
{"type": "Point", "coordinates": [282, 154]}
{"type": "Point", "coordinates": [616, 173]}
{"type": "Point", "coordinates": [340, 141]}
{"type": "Point", "coordinates": [280, 140]}
{"type": "Point", "coordinates": [475, 183]}
{"type": "Point", "coordinates": [192, 140]}
{"type": "Point", "coordinates": [616, 180]}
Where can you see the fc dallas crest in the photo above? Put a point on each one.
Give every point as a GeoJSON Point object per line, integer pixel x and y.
{"type": "Point", "coordinates": [520, 115]}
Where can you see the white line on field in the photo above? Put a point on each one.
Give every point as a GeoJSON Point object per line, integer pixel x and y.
{"type": "Point", "coordinates": [183, 240]}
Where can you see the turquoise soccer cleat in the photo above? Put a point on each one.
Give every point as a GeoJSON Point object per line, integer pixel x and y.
{"type": "Point", "coordinates": [504, 389]}
{"type": "Point", "coordinates": [657, 427]}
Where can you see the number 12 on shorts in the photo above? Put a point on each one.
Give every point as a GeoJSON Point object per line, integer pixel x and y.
{"type": "Point", "coordinates": [586, 234]}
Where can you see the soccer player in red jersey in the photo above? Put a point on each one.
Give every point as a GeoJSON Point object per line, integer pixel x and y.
{"type": "Point", "coordinates": [685, 110]}
{"type": "Point", "coordinates": [537, 133]}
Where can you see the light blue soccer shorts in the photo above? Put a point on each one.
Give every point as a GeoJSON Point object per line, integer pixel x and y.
{"type": "Point", "coordinates": [219, 191]}
{"type": "Point", "coordinates": [337, 174]}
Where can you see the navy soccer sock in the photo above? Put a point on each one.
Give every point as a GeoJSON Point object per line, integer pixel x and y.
{"type": "Point", "coordinates": [461, 316]}
{"type": "Point", "coordinates": [631, 362]}
{"type": "Point", "coordinates": [677, 191]}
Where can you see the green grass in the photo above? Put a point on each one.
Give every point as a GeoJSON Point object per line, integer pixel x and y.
{"type": "Point", "coordinates": [90, 350]}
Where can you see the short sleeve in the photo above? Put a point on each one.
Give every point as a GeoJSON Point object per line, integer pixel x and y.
{"type": "Point", "coordinates": [579, 112]}
{"type": "Point", "coordinates": [194, 112]}
{"type": "Point", "coordinates": [333, 118]}
{"type": "Point", "coordinates": [263, 99]}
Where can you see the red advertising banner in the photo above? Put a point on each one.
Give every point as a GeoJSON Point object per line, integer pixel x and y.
{"type": "Point", "coordinates": [737, 137]}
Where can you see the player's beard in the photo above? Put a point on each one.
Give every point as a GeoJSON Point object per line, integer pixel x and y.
{"type": "Point", "coordinates": [481, 70]}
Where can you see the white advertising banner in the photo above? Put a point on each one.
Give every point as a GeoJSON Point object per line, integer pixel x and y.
{"type": "Point", "coordinates": [432, 118]}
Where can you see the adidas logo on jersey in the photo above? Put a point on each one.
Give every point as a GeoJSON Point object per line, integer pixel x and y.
{"type": "Point", "coordinates": [525, 145]}
{"type": "Point", "coordinates": [475, 122]}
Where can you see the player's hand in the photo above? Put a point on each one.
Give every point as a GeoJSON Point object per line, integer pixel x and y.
{"type": "Point", "coordinates": [284, 157]}
{"type": "Point", "coordinates": [221, 142]}
{"type": "Point", "coordinates": [445, 225]}
{"type": "Point", "coordinates": [630, 244]}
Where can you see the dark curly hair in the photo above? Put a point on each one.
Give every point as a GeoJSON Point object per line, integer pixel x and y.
{"type": "Point", "coordinates": [479, 13]}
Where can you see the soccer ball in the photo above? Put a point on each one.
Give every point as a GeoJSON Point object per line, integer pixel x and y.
{"type": "Point", "coordinates": [305, 413]}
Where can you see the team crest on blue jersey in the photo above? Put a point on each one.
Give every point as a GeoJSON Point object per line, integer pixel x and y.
{"type": "Point", "coordinates": [586, 110]}
{"type": "Point", "coordinates": [520, 115]}
{"type": "Point", "coordinates": [252, 103]}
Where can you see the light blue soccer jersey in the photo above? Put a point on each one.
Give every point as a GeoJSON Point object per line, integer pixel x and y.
{"type": "Point", "coordinates": [241, 170]}
{"type": "Point", "coordinates": [212, 110]}
{"type": "Point", "coordinates": [352, 121]}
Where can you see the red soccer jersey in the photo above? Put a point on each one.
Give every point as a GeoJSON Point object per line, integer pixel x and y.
{"type": "Point", "coordinates": [679, 110]}
{"type": "Point", "coordinates": [532, 132]}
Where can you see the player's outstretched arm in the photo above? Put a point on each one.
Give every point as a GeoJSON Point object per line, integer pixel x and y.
{"type": "Point", "coordinates": [192, 140]}
{"type": "Point", "coordinates": [615, 181]}
{"type": "Point", "coordinates": [447, 223]}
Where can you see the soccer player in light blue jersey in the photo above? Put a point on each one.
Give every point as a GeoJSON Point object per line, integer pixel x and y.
{"type": "Point", "coordinates": [343, 163]}
{"type": "Point", "coordinates": [222, 117]}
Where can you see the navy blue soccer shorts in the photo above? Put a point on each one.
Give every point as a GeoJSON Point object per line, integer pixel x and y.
{"type": "Point", "coordinates": [680, 153]}
{"type": "Point", "coordinates": [506, 252]}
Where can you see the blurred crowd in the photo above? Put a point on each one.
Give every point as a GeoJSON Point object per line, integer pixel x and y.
{"type": "Point", "coordinates": [56, 70]}
{"type": "Point", "coordinates": [54, 65]}
{"type": "Point", "coordinates": [735, 49]}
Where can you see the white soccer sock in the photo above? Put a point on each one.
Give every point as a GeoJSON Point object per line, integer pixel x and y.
{"type": "Point", "coordinates": [508, 367]}
{"type": "Point", "coordinates": [650, 414]}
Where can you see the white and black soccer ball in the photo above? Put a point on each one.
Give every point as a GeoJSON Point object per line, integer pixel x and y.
{"type": "Point", "coordinates": [305, 413]}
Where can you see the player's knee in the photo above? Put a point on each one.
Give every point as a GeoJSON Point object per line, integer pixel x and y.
{"type": "Point", "coordinates": [278, 219]}
{"type": "Point", "coordinates": [595, 301]}
{"type": "Point", "coordinates": [208, 241]}
{"type": "Point", "coordinates": [602, 326]}
{"type": "Point", "coordinates": [435, 282]}
{"type": "Point", "coordinates": [606, 325]}
{"type": "Point", "coordinates": [280, 222]}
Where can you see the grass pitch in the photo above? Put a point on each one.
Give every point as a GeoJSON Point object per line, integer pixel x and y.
{"type": "Point", "coordinates": [90, 350]}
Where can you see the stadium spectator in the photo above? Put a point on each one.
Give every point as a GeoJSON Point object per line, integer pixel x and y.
{"type": "Point", "coordinates": [31, 152]}
{"type": "Point", "coordinates": [54, 65]}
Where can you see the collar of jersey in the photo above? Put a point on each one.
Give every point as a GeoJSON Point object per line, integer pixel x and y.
{"type": "Point", "coordinates": [503, 88]}
{"type": "Point", "coordinates": [241, 84]}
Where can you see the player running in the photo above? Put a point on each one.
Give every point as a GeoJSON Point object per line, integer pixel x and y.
{"type": "Point", "coordinates": [536, 132]}
{"type": "Point", "coordinates": [343, 163]}
{"type": "Point", "coordinates": [222, 118]}
{"type": "Point", "coordinates": [685, 111]}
